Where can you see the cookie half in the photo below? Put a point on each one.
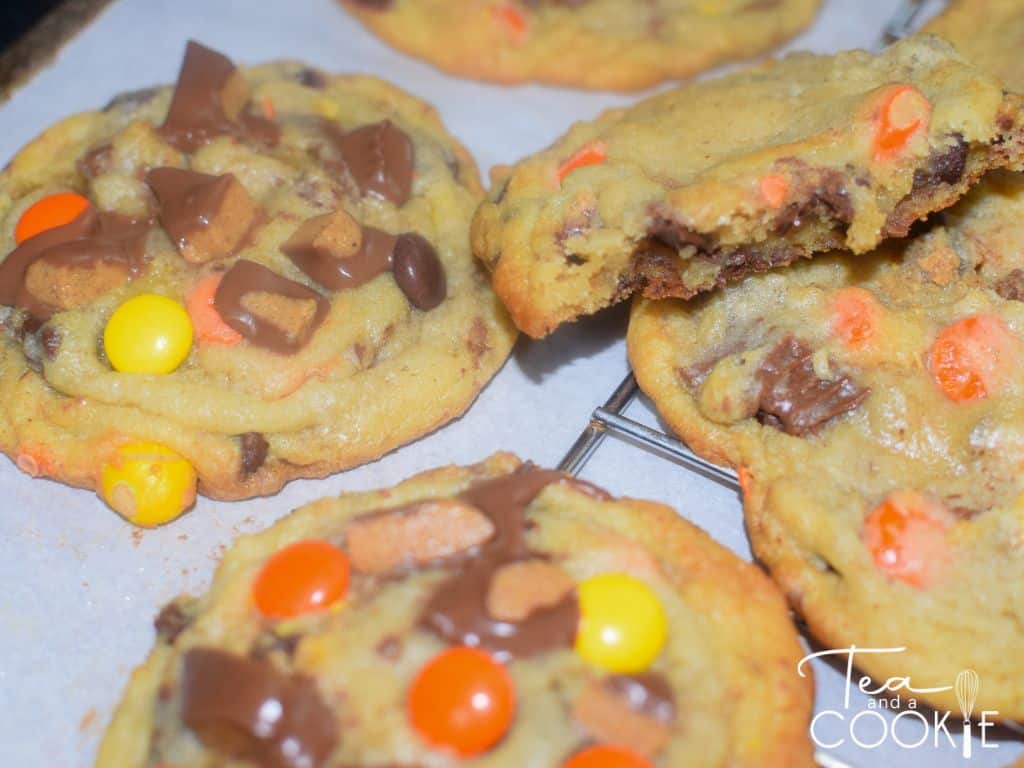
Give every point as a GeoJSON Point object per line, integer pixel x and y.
{"type": "Point", "coordinates": [306, 236]}
{"type": "Point", "coordinates": [705, 183]}
{"type": "Point", "coordinates": [873, 408]}
{"type": "Point", "coordinates": [604, 44]}
{"type": "Point", "coordinates": [501, 563]}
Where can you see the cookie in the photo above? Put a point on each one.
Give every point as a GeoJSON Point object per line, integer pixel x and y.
{"type": "Point", "coordinates": [873, 407]}
{"type": "Point", "coordinates": [604, 44]}
{"type": "Point", "coordinates": [501, 579]}
{"type": "Point", "coordinates": [257, 275]}
{"type": "Point", "coordinates": [988, 32]}
{"type": "Point", "coordinates": [705, 183]}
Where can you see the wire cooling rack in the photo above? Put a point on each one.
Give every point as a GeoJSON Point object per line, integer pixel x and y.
{"type": "Point", "coordinates": [608, 419]}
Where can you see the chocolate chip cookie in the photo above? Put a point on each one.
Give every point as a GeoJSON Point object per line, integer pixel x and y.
{"type": "Point", "coordinates": [604, 44]}
{"type": "Point", "coordinates": [256, 275]}
{"type": "Point", "coordinates": [355, 632]}
{"type": "Point", "coordinates": [872, 405]}
{"type": "Point", "coordinates": [708, 182]}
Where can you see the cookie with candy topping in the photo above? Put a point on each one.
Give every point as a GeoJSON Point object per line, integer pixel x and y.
{"type": "Point", "coordinates": [262, 272]}
{"type": "Point", "coordinates": [358, 630]}
{"type": "Point", "coordinates": [602, 44]}
{"type": "Point", "coordinates": [872, 406]}
{"type": "Point", "coordinates": [700, 185]}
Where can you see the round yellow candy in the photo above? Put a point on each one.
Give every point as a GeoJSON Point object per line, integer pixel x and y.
{"type": "Point", "coordinates": [148, 334]}
{"type": "Point", "coordinates": [622, 623]}
{"type": "Point", "coordinates": [148, 484]}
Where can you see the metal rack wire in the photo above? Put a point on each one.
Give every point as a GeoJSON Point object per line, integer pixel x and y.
{"type": "Point", "coordinates": [608, 419]}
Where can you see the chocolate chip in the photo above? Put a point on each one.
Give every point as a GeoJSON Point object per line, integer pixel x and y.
{"type": "Point", "coordinates": [311, 78]}
{"type": "Point", "coordinates": [390, 648]}
{"type": "Point", "coordinates": [793, 399]}
{"type": "Point", "coordinates": [249, 710]}
{"type": "Point", "coordinates": [648, 693]}
{"type": "Point", "coordinates": [254, 448]}
{"type": "Point", "coordinates": [419, 272]}
{"type": "Point", "coordinates": [945, 166]}
{"type": "Point", "coordinates": [380, 159]}
{"type": "Point", "coordinates": [171, 622]}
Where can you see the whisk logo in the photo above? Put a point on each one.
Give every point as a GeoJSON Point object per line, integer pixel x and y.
{"type": "Point", "coordinates": [908, 726]}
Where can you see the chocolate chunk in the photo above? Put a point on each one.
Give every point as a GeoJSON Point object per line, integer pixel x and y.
{"type": "Point", "coordinates": [946, 166]}
{"type": "Point", "coordinates": [648, 693]}
{"type": "Point", "coordinates": [247, 277]}
{"type": "Point", "coordinates": [829, 200]}
{"type": "Point", "coordinates": [1011, 286]}
{"type": "Point", "coordinates": [254, 448]}
{"type": "Point", "coordinates": [380, 159]}
{"type": "Point", "coordinates": [419, 272]}
{"type": "Point", "coordinates": [311, 78]}
{"type": "Point", "coordinates": [93, 238]}
{"type": "Point", "coordinates": [793, 398]}
{"type": "Point", "coordinates": [171, 622]}
{"type": "Point", "coordinates": [339, 254]}
{"type": "Point", "coordinates": [457, 611]}
{"type": "Point", "coordinates": [208, 102]}
{"type": "Point", "coordinates": [246, 709]}
{"type": "Point", "coordinates": [206, 216]}
{"type": "Point", "coordinates": [668, 231]}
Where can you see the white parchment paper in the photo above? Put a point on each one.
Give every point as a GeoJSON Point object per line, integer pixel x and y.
{"type": "Point", "coordinates": [79, 588]}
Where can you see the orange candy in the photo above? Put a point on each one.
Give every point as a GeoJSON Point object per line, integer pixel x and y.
{"type": "Point", "coordinates": [774, 189]}
{"type": "Point", "coordinates": [906, 535]}
{"type": "Point", "coordinates": [462, 701]}
{"type": "Point", "coordinates": [607, 756]}
{"type": "Point", "coordinates": [304, 577]}
{"type": "Point", "coordinates": [209, 327]}
{"type": "Point", "coordinates": [49, 212]}
{"type": "Point", "coordinates": [973, 357]}
{"type": "Point", "coordinates": [591, 154]}
{"type": "Point", "coordinates": [903, 113]}
{"type": "Point", "coordinates": [854, 314]}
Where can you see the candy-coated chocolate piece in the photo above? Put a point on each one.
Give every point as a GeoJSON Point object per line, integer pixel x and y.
{"type": "Point", "coordinates": [148, 483]}
{"type": "Point", "coordinates": [49, 212]}
{"type": "Point", "coordinates": [149, 333]}
{"type": "Point", "coordinates": [462, 701]}
{"type": "Point", "coordinates": [622, 623]}
{"type": "Point", "coordinates": [304, 577]}
{"type": "Point", "coordinates": [607, 756]}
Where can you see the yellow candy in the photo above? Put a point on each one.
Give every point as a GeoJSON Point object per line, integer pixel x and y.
{"type": "Point", "coordinates": [622, 624]}
{"type": "Point", "coordinates": [148, 334]}
{"type": "Point", "coordinates": [148, 483]}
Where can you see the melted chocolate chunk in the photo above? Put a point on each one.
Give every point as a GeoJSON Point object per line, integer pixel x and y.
{"type": "Point", "coordinates": [373, 258]}
{"type": "Point", "coordinates": [247, 709]}
{"type": "Point", "coordinates": [171, 622]}
{"type": "Point", "coordinates": [93, 237]}
{"type": "Point", "coordinates": [311, 78]}
{"type": "Point", "coordinates": [247, 277]}
{"type": "Point", "coordinates": [793, 398]}
{"type": "Point", "coordinates": [419, 272]}
{"type": "Point", "coordinates": [1011, 286]}
{"type": "Point", "coordinates": [648, 693]}
{"type": "Point", "coordinates": [946, 166]}
{"type": "Point", "coordinates": [254, 448]}
{"type": "Point", "coordinates": [380, 159]}
{"type": "Point", "coordinates": [457, 612]}
{"type": "Point", "coordinates": [830, 200]}
{"type": "Point", "coordinates": [208, 102]}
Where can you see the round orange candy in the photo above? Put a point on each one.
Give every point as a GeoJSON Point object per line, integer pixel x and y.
{"type": "Point", "coordinates": [462, 701]}
{"type": "Point", "coordinates": [48, 213]}
{"type": "Point", "coordinates": [303, 577]}
{"type": "Point", "coordinates": [906, 535]}
{"type": "Point", "coordinates": [607, 756]}
{"type": "Point", "coordinates": [972, 358]}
